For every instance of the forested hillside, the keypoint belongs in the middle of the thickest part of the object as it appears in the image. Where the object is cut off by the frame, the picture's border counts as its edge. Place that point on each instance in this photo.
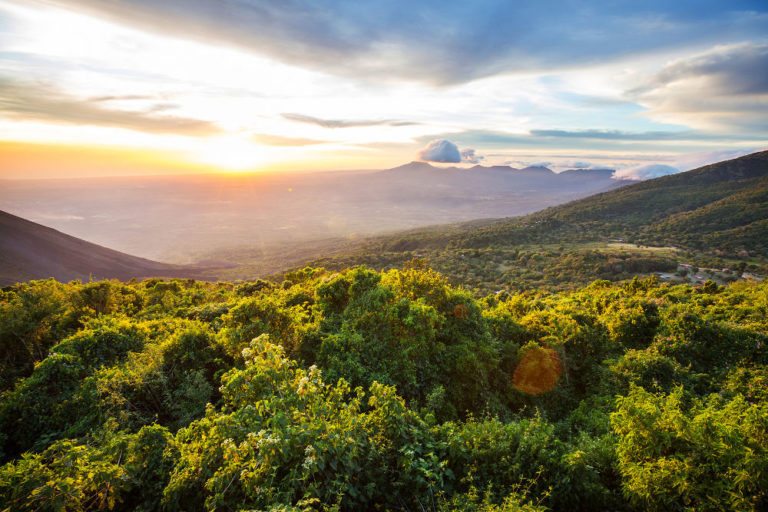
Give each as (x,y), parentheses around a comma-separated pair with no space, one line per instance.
(720,206)
(715,216)
(360,390)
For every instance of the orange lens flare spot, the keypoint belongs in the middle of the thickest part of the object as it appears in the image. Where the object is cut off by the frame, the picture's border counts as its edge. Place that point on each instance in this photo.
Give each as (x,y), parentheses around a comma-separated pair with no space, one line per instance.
(538,371)
(461,311)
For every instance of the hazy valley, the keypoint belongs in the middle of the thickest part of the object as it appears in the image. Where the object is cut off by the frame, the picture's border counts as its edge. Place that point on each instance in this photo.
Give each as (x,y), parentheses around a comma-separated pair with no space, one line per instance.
(183,219)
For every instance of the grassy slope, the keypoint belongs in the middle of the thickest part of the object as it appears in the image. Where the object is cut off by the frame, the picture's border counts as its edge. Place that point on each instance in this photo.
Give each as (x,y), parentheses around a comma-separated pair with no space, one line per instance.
(717,214)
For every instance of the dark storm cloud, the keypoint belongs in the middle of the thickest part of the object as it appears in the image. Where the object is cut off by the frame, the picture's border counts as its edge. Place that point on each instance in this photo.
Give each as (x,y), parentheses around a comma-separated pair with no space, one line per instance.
(439,41)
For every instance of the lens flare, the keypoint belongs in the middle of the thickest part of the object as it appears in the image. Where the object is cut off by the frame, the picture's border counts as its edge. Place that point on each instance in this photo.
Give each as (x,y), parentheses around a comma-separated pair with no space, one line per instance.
(538,371)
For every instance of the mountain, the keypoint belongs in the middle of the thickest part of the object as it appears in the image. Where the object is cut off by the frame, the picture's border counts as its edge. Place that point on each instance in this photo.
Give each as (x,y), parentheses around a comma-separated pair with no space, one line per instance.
(590,173)
(31,251)
(180,218)
(718,210)
(715,204)
(716,215)
(537,169)
(722,206)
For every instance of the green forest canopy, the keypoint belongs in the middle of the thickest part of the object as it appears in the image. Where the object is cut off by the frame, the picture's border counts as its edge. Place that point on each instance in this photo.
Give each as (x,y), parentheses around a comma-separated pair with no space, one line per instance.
(362,390)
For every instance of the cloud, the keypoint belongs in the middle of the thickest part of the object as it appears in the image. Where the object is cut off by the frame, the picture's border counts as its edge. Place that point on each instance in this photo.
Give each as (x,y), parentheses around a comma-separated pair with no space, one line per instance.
(645,172)
(56,216)
(576,165)
(341,123)
(434,41)
(612,135)
(734,69)
(572,143)
(725,88)
(696,160)
(28,100)
(539,163)
(469,156)
(266,139)
(440,150)
(124,97)
(681,164)
(522,164)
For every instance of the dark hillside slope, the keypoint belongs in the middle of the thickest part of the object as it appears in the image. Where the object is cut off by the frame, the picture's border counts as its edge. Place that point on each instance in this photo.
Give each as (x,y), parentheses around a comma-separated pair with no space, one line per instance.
(31,251)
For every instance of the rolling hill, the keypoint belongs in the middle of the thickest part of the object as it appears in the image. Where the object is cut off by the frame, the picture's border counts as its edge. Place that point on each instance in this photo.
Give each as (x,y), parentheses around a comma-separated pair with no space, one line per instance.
(717,215)
(706,208)
(31,251)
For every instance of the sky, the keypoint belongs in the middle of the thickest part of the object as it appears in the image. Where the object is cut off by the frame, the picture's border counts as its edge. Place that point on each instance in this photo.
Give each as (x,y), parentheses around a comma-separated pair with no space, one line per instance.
(136,87)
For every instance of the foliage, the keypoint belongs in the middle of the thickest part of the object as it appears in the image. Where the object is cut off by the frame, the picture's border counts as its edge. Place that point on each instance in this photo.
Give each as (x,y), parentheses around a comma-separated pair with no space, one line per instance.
(366,390)
(708,454)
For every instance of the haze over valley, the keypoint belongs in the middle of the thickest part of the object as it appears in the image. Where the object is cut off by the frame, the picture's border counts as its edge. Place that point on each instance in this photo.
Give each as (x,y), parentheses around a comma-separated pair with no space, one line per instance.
(181,219)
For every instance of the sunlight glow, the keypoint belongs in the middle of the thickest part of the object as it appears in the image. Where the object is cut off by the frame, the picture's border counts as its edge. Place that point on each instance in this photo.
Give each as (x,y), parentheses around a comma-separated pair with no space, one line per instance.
(70,76)
(231,153)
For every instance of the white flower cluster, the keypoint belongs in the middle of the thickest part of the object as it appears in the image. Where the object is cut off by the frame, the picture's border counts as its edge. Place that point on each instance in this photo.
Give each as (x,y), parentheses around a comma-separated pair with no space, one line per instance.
(310,459)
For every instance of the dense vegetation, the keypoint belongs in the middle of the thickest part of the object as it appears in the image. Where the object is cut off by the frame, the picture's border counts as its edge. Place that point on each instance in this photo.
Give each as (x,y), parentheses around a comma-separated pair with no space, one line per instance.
(361,390)
(531,266)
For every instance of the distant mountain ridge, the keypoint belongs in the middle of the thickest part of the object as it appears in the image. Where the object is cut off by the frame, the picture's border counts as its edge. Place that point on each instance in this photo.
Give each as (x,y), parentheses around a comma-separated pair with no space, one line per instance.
(716,211)
(578,173)
(31,251)
(418,165)
(721,207)
(173,218)
(712,205)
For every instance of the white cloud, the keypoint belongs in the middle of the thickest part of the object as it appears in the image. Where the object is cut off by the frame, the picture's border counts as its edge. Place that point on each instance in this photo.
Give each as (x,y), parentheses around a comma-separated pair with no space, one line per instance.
(441,150)
(680,164)
(469,156)
(725,88)
(58,216)
(521,164)
(433,41)
(696,160)
(645,172)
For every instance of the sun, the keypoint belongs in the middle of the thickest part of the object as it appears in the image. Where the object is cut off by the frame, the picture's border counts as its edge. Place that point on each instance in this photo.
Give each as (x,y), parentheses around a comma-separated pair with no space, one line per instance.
(234,154)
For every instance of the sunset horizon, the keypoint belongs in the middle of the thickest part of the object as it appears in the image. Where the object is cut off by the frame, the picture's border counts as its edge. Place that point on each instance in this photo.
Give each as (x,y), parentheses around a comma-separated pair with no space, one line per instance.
(93,89)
